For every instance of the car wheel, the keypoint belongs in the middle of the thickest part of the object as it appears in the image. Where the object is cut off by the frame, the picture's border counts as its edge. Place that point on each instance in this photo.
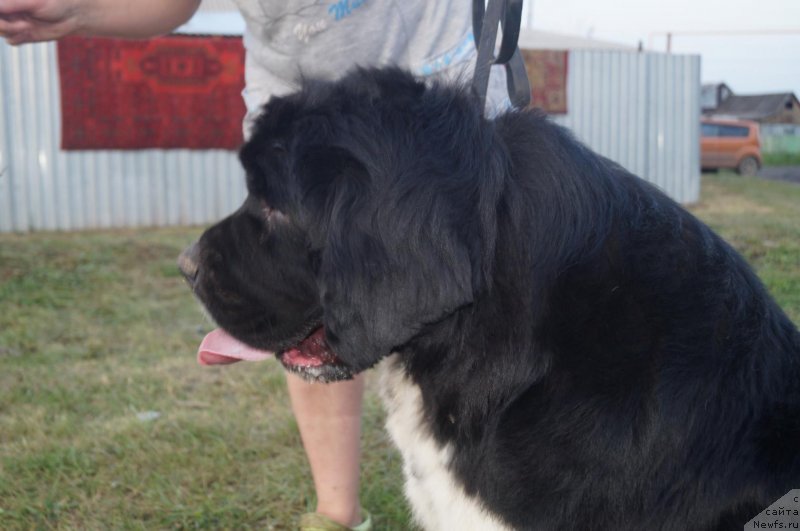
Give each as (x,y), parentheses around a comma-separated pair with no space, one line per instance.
(748,167)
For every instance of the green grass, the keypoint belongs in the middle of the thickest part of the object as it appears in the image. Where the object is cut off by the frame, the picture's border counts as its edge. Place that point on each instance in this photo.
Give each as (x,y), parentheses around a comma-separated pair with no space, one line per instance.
(762,220)
(781,159)
(97,327)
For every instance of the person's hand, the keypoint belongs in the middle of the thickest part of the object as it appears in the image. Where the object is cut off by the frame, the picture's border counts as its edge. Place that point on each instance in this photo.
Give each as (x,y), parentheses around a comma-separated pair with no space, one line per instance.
(24,21)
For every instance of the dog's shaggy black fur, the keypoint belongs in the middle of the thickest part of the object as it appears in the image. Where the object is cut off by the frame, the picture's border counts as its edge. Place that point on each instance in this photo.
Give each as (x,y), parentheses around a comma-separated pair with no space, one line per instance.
(596,357)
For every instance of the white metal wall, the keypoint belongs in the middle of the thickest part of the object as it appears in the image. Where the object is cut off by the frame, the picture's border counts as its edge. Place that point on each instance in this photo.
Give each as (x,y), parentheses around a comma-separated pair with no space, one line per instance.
(44,188)
(640,109)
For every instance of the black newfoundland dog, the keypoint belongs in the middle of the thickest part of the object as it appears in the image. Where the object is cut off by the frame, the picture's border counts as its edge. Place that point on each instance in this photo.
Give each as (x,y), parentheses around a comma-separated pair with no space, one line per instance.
(565,347)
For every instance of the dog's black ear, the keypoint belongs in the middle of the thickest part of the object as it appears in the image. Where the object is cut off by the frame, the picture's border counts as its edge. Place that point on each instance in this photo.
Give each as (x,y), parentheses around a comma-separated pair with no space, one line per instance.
(388,263)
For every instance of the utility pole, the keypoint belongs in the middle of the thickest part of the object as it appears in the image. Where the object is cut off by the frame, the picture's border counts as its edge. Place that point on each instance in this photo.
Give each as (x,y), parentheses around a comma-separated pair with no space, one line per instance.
(716,33)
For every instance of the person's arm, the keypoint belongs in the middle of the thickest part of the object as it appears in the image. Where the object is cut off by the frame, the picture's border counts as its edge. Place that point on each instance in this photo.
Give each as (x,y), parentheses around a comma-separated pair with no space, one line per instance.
(24,21)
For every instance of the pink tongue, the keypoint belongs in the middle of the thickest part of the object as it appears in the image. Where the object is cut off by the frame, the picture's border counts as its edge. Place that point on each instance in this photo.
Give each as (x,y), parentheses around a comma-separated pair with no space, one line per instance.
(220,348)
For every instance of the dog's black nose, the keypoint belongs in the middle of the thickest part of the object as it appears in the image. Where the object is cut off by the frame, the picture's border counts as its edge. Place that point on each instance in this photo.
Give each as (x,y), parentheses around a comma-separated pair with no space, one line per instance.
(189,262)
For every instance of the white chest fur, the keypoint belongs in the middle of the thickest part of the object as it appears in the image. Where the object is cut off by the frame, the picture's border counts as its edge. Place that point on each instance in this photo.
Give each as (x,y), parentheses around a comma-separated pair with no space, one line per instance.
(437,499)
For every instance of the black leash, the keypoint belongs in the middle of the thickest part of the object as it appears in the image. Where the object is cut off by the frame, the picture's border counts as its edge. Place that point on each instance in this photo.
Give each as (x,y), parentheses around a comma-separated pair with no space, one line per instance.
(485,20)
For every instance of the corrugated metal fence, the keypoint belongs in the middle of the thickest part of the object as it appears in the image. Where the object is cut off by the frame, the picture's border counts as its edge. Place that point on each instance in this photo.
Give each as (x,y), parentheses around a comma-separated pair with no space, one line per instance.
(640,109)
(780,145)
(780,139)
(45,188)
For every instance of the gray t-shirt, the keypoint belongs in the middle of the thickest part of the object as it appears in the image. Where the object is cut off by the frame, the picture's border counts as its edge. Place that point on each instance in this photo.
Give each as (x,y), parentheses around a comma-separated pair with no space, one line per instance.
(325,39)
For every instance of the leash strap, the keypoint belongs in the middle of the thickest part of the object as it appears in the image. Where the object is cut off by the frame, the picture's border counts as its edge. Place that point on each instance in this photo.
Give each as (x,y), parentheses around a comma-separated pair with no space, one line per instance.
(485,20)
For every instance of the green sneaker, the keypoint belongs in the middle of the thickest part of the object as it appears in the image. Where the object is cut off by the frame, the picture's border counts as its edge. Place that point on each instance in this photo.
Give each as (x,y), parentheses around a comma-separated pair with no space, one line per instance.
(319,522)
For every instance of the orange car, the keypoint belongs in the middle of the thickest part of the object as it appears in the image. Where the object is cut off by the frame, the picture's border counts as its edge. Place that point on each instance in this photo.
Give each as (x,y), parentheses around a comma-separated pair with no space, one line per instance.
(730,144)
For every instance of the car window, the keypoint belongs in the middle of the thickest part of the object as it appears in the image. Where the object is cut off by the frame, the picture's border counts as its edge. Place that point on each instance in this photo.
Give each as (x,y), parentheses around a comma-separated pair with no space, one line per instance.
(709,130)
(733,131)
(724,131)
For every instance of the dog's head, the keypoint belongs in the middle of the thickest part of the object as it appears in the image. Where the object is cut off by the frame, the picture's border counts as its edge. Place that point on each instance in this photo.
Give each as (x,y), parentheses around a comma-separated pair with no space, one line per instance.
(369,218)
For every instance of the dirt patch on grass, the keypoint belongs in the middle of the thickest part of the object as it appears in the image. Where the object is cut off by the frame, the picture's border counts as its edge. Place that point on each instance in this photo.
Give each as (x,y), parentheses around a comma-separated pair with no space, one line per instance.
(731,204)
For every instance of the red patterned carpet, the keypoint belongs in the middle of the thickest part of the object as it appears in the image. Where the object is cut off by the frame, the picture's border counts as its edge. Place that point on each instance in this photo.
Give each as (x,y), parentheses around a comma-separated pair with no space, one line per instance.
(185,91)
(547,73)
(168,92)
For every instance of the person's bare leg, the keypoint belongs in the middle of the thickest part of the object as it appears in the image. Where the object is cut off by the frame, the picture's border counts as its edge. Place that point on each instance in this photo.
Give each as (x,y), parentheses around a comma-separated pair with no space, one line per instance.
(329,419)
